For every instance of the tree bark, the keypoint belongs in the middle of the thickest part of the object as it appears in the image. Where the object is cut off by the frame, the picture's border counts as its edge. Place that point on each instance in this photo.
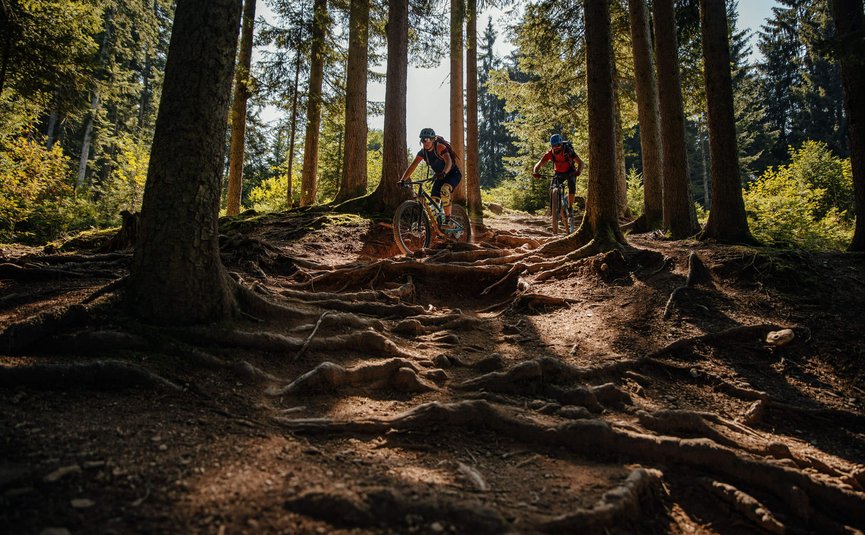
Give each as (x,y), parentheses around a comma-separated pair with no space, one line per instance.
(87,141)
(621,171)
(647,110)
(309,176)
(472,172)
(680,217)
(600,221)
(849,27)
(727,221)
(394,161)
(176,275)
(289,194)
(457,108)
(238,109)
(354,174)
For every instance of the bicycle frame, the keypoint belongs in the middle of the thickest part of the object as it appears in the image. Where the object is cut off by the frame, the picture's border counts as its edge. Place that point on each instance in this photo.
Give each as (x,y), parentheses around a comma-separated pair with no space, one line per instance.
(432,208)
(557,187)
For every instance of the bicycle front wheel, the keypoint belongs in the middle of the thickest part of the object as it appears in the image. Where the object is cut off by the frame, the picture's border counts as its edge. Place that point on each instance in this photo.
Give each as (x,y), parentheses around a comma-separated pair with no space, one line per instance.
(411,230)
(564,214)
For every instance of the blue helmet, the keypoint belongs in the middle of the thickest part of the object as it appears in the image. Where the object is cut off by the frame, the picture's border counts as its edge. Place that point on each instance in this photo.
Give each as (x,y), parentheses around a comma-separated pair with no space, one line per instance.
(555,139)
(427,132)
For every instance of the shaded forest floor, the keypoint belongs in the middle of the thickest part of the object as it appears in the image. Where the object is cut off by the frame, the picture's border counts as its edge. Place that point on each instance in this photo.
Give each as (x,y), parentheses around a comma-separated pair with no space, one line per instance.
(466,391)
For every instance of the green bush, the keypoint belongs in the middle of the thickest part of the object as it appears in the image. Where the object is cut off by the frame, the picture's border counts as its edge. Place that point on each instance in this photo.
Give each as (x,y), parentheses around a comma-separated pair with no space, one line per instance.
(788,206)
(270,195)
(636,192)
(34,192)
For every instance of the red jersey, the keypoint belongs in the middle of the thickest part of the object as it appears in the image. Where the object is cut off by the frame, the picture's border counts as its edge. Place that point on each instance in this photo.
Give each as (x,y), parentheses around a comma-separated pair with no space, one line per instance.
(562,161)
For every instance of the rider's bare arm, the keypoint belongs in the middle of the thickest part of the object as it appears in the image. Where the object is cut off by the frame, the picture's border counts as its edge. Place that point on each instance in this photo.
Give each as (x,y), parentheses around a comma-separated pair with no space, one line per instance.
(544,159)
(411,168)
(579,164)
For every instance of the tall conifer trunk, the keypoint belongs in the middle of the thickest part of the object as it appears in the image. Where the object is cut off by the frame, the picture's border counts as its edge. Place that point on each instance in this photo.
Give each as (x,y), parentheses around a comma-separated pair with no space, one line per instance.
(238,109)
(727,221)
(289,195)
(354,173)
(177,276)
(600,222)
(309,176)
(472,173)
(388,194)
(647,110)
(680,218)
(457,108)
(850,25)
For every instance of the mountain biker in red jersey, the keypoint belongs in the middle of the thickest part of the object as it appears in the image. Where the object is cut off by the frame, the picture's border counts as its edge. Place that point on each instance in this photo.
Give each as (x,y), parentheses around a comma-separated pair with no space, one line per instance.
(568,166)
(447,174)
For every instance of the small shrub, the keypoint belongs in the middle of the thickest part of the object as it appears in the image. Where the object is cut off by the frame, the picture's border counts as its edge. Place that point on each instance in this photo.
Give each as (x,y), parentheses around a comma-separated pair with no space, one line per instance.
(786,207)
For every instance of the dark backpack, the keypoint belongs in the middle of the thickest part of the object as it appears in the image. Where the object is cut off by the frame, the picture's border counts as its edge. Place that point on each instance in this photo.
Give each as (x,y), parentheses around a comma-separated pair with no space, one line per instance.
(569,150)
(451,151)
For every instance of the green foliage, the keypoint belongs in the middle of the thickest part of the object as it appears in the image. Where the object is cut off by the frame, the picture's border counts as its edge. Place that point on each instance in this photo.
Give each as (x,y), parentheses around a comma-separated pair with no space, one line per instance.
(34,192)
(270,195)
(636,192)
(791,206)
(123,188)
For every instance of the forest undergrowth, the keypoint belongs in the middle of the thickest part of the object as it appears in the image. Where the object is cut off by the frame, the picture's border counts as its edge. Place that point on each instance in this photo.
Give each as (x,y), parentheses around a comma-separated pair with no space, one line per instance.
(665,387)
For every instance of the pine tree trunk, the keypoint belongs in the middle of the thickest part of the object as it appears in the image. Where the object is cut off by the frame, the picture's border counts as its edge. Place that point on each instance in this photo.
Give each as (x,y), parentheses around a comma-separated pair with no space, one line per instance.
(146,92)
(388,194)
(6,26)
(50,137)
(850,24)
(679,215)
(238,110)
(87,141)
(601,221)
(354,175)
(621,174)
(176,275)
(289,193)
(472,173)
(457,108)
(647,109)
(727,220)
(309,176)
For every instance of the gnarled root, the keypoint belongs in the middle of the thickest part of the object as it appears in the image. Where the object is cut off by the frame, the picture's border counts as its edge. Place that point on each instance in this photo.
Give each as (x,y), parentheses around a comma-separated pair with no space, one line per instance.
(19,337)
(619,507)
(389,506)
(594,437)
(698,273)
(99,375)
(747,506)
(399,374)
(678,422)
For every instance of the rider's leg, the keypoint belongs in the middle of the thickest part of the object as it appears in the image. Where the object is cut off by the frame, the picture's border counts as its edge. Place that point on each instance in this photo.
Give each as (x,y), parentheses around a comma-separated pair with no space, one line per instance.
(445,193)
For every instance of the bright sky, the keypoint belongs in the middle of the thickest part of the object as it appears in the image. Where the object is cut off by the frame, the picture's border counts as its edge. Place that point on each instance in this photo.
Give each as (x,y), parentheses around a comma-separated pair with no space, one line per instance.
(428,98)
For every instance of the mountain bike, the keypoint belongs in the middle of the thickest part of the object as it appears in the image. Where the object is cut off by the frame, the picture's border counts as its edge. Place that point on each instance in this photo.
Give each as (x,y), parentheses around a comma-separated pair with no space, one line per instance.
(417,220)
(560,211)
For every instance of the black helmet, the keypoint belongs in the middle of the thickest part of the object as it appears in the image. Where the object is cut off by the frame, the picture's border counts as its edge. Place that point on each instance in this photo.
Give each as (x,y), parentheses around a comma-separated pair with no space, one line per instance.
(427,132)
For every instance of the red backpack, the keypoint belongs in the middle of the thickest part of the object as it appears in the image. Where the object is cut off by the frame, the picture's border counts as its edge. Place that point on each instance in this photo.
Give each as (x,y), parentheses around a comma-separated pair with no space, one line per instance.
(451,152)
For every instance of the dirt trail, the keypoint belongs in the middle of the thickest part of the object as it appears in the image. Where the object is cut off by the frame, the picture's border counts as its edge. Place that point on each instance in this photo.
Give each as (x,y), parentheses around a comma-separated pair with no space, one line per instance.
(470,390)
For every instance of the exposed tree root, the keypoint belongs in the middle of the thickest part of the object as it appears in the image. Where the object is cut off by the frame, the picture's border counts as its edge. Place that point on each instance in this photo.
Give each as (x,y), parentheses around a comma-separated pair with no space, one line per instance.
(698,273)
(19,337)
(744,333)
(364,342)
(398,374)
(801,493)
(760,409)
(99,375)
(53,259)
(387,506)
(127,236)
(104,290)
(467,257)
(513,241)
(747,506)
(36,273)
(389,296)
(623,506)
(381,310)
(700,424)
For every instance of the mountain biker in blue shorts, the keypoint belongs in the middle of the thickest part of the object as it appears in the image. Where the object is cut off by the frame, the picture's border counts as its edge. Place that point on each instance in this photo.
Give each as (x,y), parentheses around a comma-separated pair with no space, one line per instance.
(439,155)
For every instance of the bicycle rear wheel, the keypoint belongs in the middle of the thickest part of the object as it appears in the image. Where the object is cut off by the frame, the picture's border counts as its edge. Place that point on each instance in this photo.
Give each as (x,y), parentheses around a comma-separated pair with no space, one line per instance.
(411,230)
(462,230)
(555,208)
